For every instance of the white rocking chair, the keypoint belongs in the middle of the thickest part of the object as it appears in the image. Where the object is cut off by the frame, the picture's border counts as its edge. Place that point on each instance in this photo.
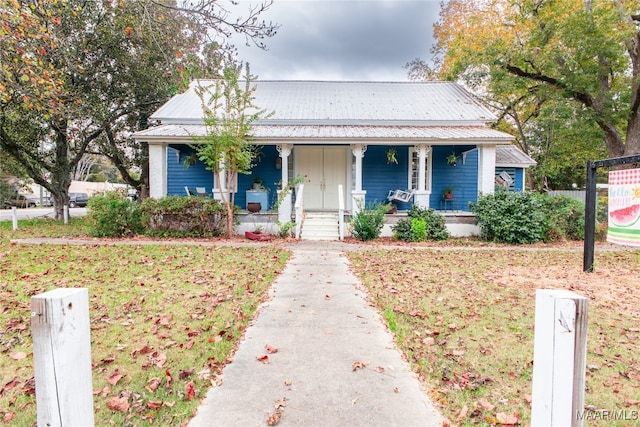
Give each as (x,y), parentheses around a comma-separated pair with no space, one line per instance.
(400,195)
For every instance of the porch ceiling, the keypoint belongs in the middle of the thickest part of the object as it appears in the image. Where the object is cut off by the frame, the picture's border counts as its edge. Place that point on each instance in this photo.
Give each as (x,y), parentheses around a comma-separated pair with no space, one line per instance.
(387,135)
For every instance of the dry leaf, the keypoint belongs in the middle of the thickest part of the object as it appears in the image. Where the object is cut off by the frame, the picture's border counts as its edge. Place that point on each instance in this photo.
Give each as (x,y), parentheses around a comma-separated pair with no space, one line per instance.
(270,349)
(153,385)
(507,419)
(120,404)
(263,358)
(152,404)
(275,417)
(114,377)
(358,365)
(486,404)
(189,388)
(18,355)
(463,412)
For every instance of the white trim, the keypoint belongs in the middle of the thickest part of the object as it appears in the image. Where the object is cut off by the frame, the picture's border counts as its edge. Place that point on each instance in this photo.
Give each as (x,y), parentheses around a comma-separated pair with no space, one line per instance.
(158,157)
(428,170)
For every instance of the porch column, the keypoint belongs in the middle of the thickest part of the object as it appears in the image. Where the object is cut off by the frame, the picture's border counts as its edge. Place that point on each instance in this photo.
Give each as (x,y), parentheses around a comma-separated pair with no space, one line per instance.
(157,170)
(220,187)
(284,208)
(358,195)
(421,195)
(486,169)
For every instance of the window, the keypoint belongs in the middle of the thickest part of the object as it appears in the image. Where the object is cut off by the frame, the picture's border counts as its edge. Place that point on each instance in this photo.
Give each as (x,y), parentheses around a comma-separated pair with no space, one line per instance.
(413,169)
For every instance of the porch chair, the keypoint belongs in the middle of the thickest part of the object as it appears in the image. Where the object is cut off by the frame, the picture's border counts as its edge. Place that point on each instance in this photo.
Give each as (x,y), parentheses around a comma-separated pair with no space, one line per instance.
(400,195)
(187,190)
(201,192)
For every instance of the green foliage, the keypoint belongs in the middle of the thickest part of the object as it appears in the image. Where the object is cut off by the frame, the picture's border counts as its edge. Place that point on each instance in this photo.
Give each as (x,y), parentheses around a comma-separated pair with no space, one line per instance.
(184,216)
(511,217)
(422,224)
(517,218)
(565,217)
(113,215)
(418,230)
(78,76)
(367,223)
(286,229)
(227,147)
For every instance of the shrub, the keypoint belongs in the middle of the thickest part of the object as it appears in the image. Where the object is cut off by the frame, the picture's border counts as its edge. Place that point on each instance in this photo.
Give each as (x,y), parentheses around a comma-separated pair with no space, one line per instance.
(367,223)
(565,217)
(184,216)
(511,217)
(113,215)
(422,224)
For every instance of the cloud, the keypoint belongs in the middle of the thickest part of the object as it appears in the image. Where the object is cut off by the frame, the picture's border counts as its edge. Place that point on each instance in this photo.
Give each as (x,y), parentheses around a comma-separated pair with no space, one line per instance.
(343,40)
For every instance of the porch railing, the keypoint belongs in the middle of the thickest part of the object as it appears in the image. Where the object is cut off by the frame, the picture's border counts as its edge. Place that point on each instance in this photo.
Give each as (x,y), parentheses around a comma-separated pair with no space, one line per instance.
(341,212)
(299,209)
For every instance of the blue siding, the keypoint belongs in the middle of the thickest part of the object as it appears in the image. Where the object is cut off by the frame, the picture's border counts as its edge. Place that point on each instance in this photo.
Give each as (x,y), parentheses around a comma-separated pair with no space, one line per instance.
(378,177)
(462,177)
(178,176)
(198,176)
(265,169)
(519,179)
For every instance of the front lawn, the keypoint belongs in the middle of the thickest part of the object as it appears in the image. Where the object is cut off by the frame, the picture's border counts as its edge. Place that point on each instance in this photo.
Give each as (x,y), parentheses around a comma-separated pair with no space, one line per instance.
(164,319)
(464,318)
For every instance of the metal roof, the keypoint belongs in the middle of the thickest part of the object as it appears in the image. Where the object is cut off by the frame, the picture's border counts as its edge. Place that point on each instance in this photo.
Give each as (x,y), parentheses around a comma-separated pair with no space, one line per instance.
(358,103)
(339,134)
(510,155)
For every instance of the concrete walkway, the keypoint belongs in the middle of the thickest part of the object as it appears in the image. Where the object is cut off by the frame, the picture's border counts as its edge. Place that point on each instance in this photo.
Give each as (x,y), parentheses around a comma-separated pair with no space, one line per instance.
(319,321)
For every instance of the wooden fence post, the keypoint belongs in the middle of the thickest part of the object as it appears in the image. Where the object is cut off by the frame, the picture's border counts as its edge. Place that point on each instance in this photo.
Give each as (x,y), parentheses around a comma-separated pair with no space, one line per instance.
(559,358)
(62,357)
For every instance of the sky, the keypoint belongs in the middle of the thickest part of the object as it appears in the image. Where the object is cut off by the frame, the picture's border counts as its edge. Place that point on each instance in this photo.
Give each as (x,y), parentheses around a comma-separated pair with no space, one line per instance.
(368,40)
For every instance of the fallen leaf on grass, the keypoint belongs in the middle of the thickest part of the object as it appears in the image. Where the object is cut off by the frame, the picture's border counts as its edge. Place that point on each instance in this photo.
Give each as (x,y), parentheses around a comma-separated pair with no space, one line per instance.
(120,404)
(8,416)
(152,404)
(190,389)
(18,355)
(115,377)
(507,419)
(463,412)
(485,404)
(428,341)
(153,385)
(270,349)
(169,378)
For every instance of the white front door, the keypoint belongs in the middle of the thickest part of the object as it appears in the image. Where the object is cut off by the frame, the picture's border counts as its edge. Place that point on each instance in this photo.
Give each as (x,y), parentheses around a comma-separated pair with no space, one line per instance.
(325,168)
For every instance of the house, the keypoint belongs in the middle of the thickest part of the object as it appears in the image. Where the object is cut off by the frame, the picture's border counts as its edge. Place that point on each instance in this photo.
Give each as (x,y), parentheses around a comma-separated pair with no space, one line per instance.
(369,138)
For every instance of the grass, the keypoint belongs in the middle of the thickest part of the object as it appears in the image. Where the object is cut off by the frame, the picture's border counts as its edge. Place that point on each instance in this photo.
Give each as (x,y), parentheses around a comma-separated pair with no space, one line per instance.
(163,319)
(464,319)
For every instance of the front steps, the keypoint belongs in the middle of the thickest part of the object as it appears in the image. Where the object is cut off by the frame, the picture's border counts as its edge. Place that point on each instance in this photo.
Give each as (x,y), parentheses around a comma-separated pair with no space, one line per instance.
(320,226)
